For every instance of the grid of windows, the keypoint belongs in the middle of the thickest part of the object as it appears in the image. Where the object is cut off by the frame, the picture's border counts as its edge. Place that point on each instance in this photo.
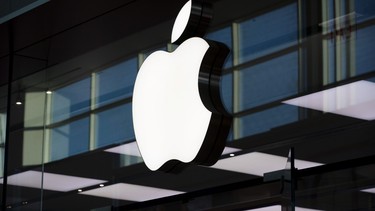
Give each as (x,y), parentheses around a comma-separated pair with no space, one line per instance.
(262,70)
(82,112)
(266,67)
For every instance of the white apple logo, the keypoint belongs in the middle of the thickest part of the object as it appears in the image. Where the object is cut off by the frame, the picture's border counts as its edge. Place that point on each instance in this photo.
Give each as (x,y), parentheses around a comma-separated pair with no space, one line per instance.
(177,112)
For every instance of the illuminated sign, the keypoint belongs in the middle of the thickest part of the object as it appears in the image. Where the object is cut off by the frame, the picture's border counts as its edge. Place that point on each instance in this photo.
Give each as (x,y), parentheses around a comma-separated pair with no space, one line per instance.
(178,115)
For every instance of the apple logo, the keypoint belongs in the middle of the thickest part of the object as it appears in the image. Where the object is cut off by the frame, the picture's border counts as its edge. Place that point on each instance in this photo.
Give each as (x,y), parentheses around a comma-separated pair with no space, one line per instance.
(178,115)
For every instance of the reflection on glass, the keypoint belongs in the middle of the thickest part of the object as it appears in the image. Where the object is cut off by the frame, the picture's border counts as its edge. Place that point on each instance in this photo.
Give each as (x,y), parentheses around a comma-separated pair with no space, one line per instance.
(355,100)
(269,81)
(225,36)
(365,45)
(34,109)
(130,192)
(114,126)
(69,139)
(32,147)
(71,100)
(268,33)
(364,9)
(266,120)
(226,86)
(116,82)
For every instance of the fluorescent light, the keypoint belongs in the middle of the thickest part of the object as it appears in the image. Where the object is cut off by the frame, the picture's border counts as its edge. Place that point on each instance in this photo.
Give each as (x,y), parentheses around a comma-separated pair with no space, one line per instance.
(354,100)
(130,192)
(230,150)
(279,208)
(370,190)
(257,163)
(126,149)
(54,182)
(132,149)
(269,208)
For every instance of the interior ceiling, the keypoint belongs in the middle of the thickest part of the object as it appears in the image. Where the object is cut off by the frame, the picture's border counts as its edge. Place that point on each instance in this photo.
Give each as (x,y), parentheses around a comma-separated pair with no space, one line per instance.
(63,29)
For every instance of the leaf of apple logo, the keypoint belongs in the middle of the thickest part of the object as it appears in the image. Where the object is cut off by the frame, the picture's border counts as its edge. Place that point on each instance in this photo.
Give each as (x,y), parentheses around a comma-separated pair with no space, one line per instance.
(178,115)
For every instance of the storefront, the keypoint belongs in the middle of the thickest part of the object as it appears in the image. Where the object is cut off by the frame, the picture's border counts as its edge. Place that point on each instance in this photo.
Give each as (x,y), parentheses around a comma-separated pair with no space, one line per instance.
(299,83)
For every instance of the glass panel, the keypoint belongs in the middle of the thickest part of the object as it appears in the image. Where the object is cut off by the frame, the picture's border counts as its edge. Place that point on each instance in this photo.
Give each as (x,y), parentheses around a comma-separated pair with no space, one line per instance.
(269,81)
(365,45)
(225,36)
(226,86)
(268,33)
(364,10)
(10,8)
(69,139)
(71,100)
(120,129)
(116,82)
(266,120)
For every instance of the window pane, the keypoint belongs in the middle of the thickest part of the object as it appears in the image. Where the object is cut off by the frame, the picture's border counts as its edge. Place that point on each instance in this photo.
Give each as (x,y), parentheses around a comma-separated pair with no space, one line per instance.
(268,33)
(226,86)
(116,82)
(120,129)
(70,139)
(365,45)
(266,120)
(225,36)
(71,100)
(364,10)
(269,81)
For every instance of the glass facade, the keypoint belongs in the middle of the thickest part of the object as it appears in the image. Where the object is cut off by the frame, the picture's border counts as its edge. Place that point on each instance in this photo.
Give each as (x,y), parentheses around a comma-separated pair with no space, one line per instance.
(299,82)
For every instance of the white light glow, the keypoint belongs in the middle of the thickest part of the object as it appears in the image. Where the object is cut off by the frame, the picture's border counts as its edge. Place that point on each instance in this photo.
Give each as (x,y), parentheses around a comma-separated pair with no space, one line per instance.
(126,149)
(370,190)
(170,120)
(132,149)
(230,150)
(130,192)
(269,208)
(279,208)
(181,21)
(54,182)
(257,163)
(354,100)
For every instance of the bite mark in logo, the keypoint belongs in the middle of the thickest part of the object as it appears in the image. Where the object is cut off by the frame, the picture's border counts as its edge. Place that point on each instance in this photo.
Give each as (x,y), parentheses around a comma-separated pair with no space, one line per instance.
(178,114)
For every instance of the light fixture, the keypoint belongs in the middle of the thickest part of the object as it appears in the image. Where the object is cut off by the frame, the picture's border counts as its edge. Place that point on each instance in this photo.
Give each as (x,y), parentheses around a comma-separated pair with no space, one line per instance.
(132,149)
(51,181)
(48,92)
(126,149)
(258,163)
(18,102)
(279,208)
(231,154)
(369,190)
(130,192)
(79,190)
(355,100)
(101,185)
(230,150)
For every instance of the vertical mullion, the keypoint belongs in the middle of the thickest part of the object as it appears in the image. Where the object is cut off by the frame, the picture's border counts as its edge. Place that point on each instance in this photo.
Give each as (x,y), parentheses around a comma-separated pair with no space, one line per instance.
(338,40)
(92,144)
(47,130)
(352,39)
(236,81)
(325,50)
